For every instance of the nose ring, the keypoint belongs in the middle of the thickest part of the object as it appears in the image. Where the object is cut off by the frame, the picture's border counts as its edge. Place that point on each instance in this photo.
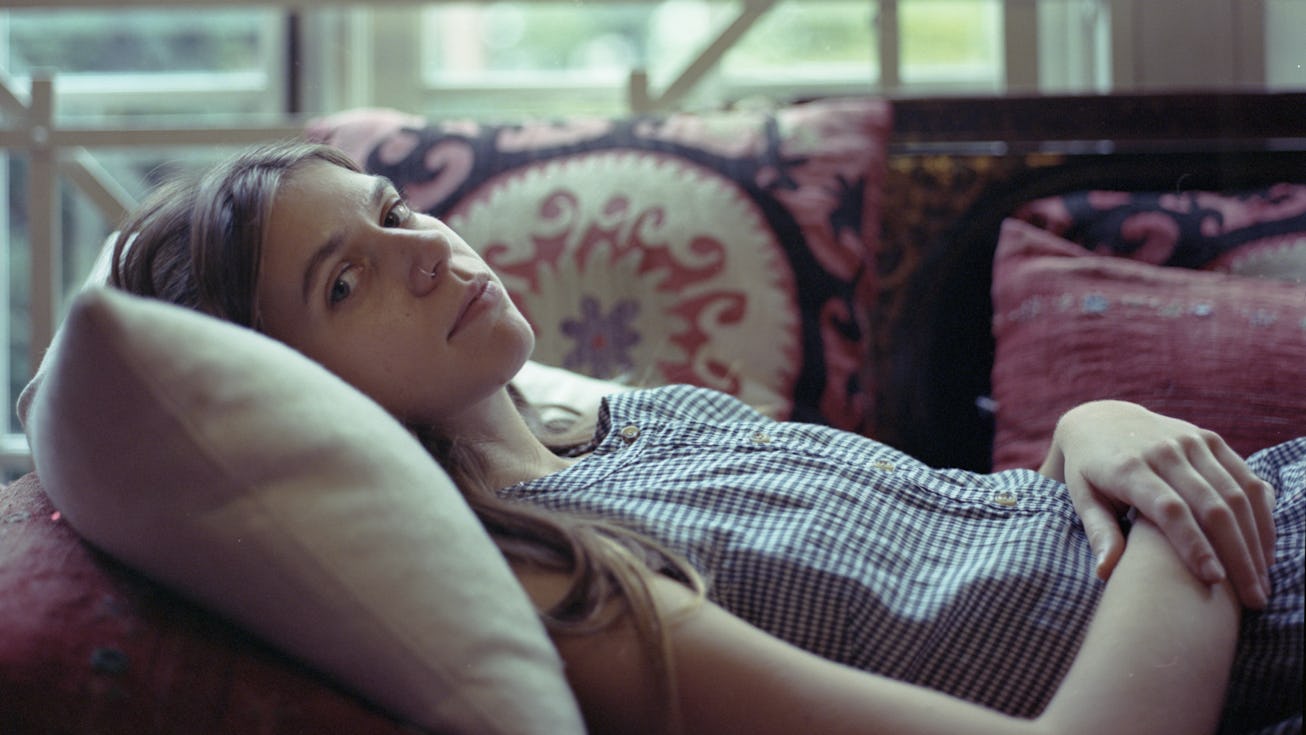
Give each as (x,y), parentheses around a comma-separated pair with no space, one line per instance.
(428,274)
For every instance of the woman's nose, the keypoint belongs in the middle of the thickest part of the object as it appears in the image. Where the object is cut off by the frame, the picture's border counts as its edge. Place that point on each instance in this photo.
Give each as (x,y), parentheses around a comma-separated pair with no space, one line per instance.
(423,259)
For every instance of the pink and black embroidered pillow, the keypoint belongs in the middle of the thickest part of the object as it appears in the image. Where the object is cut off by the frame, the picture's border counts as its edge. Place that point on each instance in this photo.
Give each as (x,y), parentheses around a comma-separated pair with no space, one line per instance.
(1225,352)
(86,645)
(732,250)
(1258,233)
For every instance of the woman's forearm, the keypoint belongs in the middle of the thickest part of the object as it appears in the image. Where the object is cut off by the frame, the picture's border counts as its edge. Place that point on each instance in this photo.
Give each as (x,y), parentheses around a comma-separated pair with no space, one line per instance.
(1156,658)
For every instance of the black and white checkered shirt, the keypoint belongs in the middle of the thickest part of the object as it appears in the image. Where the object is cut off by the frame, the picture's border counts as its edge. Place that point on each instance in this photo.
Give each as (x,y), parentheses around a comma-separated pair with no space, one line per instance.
(981,586)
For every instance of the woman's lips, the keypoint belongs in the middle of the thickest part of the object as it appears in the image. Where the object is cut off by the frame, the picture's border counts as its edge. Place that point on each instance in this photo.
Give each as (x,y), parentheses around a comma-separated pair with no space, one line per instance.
(482,293)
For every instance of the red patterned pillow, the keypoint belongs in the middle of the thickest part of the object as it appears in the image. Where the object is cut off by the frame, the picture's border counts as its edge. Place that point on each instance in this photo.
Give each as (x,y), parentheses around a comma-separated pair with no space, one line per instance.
(1225,352)
(1260,232)
(89,646)
(732,250)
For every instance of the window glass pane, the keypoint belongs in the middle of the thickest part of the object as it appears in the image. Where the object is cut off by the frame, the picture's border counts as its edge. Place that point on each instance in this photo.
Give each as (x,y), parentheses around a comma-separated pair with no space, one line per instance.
(951,41)
(135,40)
(571,53)
(816,41)
(178,61)
(515,59)
(523,41)
(1285,62)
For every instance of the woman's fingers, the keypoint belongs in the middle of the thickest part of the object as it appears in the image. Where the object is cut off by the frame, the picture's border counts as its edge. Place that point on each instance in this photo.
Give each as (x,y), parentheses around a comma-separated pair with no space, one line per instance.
(1170,511)
(1101,524)
(1259,492)
(1211,520)
(1227,492)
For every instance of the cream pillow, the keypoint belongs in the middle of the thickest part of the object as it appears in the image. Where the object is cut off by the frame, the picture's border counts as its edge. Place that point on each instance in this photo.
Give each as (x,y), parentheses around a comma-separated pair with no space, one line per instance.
(232,469)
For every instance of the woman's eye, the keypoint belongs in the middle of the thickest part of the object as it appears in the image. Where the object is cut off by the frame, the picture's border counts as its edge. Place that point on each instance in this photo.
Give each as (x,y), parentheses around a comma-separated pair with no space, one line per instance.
(397,215)
(342,287)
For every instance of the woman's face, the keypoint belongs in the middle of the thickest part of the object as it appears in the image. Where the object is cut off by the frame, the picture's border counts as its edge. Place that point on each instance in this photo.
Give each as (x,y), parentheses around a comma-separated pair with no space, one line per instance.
(392,301)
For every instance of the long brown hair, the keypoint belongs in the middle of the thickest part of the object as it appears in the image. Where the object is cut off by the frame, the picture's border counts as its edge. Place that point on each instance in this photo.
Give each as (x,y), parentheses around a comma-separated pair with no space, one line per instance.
(197,243)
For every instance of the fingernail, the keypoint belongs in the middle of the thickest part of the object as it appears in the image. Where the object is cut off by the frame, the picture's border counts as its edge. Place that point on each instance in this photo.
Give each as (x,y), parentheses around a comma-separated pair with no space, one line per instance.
(1212,572)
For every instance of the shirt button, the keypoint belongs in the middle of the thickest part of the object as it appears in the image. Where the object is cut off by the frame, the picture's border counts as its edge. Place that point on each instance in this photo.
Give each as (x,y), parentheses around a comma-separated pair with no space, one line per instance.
(1005,498)
(761,437)
(883,465)
(630,432)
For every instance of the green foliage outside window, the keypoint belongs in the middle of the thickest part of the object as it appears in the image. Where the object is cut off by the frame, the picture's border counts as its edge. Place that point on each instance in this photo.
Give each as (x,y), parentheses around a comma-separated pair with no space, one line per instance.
(135,41)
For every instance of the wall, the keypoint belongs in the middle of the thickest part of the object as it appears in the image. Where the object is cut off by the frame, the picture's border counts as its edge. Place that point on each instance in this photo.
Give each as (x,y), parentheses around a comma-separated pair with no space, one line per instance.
(1188,44)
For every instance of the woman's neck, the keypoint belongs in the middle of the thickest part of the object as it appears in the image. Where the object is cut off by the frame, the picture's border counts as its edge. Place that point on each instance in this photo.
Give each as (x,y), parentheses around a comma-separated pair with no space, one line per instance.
(509,451)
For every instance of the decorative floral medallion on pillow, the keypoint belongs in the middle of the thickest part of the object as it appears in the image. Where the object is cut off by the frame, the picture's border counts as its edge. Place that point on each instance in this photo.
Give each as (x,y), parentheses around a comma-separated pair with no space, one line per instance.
(1254,233)
(611,286)
(1225,352)
(732,250)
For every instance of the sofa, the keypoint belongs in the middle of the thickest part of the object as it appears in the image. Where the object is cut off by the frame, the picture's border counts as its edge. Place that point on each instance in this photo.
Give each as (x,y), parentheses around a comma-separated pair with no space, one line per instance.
(945,275)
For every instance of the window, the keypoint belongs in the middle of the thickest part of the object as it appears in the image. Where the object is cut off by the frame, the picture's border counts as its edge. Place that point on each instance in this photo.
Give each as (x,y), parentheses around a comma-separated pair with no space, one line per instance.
(951,43)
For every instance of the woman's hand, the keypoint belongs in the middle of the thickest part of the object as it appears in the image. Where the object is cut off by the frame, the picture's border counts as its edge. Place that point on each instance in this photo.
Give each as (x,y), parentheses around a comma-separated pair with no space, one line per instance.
(1216,513)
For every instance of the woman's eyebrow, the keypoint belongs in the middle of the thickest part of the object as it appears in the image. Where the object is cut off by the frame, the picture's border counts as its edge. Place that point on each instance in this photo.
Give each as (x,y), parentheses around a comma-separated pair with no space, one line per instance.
(380,187)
